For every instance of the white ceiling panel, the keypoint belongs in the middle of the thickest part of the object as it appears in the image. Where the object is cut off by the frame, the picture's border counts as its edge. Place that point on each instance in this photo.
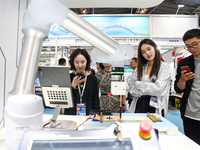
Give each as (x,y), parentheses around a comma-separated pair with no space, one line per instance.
(111,3)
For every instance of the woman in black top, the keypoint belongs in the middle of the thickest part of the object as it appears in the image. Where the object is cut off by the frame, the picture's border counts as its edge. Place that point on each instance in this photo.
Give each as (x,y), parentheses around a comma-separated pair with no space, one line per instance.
(84,90)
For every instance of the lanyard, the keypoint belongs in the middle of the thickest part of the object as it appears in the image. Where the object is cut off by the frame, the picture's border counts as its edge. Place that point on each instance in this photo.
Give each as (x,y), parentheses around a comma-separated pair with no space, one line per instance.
(79,89)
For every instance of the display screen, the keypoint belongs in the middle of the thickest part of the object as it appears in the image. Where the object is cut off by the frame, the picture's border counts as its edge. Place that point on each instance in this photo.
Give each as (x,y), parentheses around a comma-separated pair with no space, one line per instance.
(54,75)
(111,25)
(83,144)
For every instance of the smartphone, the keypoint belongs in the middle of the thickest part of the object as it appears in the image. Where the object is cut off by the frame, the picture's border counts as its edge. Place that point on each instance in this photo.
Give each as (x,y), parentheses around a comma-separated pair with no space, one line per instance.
(186,68)
(80,74)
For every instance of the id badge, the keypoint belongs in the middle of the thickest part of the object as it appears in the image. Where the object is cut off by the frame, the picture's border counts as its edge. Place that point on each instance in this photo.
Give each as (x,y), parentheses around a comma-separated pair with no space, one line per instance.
(153,102)
(81,109)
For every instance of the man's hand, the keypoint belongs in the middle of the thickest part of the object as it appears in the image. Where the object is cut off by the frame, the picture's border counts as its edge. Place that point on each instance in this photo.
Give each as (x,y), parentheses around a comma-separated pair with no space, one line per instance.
(184,77)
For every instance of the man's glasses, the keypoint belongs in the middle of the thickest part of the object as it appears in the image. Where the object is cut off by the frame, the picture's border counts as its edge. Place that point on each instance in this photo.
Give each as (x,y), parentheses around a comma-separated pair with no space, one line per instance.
(195,45)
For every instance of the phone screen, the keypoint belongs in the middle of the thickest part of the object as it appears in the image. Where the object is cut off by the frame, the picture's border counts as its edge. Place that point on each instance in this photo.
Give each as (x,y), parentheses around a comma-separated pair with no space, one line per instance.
(80,74)
(186,68)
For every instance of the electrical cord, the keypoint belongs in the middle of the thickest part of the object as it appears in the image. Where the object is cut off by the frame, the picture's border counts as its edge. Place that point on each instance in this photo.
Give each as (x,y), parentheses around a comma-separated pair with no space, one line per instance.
(90,117)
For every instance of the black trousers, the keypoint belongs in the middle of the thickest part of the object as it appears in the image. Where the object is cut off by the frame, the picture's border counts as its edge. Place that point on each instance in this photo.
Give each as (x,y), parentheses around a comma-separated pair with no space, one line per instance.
(143,106)
(192,129)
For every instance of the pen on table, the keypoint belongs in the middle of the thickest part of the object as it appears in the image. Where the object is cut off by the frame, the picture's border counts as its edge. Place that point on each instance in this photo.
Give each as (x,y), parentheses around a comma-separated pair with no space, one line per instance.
(101,119)
(120,106)
(151,117)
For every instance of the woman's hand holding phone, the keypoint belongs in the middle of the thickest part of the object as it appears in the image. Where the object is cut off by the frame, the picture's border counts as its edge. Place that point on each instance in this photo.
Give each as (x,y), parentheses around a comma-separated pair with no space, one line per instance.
(79,78)
(80,74)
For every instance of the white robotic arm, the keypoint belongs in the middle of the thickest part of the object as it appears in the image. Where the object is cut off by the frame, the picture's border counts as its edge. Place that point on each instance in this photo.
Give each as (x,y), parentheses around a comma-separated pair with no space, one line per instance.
(37,21)
(42,13)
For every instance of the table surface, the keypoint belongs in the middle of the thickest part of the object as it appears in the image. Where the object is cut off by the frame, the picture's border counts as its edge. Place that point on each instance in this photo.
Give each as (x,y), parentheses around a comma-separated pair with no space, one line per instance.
(178,142)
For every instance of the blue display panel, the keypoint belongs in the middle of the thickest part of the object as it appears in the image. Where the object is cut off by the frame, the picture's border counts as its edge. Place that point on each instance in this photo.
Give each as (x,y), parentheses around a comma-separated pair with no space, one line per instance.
(112,26)
(83,144)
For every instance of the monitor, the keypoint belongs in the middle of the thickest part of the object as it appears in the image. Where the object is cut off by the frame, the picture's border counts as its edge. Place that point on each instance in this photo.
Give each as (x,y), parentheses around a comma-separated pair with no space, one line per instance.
(73,140)
(84,144)
(56,86)
(50,76)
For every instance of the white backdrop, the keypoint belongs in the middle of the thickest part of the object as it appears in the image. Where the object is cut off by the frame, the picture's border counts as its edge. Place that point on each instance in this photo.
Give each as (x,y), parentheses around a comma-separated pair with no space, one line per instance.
(11,15)
(172,25)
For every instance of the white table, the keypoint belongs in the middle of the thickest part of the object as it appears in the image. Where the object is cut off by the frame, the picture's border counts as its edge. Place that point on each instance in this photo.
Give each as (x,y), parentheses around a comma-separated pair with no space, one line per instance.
(179,142)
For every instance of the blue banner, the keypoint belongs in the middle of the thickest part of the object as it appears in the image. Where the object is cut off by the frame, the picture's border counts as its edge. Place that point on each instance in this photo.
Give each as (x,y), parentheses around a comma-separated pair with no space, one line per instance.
(112,26)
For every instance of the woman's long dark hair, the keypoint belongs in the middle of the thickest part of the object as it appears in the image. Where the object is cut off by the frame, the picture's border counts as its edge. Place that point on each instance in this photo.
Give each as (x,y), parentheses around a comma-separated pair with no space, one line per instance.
(77,52)
(142,61)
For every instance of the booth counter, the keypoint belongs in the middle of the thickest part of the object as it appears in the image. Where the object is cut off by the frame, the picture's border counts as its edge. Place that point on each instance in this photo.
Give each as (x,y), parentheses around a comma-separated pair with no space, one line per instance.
(169,136)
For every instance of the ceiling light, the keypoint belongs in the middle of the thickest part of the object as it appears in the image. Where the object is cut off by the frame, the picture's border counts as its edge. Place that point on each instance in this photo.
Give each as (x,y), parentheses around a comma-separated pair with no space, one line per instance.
(141,10)
(84,10)
(180,5)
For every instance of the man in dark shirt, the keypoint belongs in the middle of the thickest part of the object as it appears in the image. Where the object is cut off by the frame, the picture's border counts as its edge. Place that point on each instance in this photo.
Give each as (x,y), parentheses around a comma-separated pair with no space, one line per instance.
(187,82)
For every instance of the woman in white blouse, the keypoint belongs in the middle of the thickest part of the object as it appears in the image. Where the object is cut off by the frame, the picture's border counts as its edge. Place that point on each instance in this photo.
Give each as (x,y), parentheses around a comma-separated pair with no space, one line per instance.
(150,83)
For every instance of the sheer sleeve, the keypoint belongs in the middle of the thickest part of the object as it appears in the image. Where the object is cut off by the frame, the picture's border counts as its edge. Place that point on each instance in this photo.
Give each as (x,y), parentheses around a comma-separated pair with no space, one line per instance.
(155,88)
(132,87)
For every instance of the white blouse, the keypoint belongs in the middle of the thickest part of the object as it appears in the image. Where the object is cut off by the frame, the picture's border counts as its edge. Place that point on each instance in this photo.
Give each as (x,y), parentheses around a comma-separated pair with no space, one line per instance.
(159,88)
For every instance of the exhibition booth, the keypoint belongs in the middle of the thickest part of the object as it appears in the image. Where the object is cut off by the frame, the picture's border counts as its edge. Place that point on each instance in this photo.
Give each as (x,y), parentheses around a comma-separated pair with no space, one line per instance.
(26,127)
(165,30)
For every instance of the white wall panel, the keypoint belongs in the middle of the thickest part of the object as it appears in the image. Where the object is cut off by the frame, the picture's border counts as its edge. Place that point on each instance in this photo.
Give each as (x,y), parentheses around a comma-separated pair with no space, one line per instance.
(172,25)
(2,82)
(11,14)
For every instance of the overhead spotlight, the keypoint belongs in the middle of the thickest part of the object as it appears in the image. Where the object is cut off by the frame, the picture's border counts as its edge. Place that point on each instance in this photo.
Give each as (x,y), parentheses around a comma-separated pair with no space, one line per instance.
(180,5)
(84,10)
(141,10)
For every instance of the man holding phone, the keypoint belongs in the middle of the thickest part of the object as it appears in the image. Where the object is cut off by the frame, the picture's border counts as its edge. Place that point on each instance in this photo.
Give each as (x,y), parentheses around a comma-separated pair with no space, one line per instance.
(187,82)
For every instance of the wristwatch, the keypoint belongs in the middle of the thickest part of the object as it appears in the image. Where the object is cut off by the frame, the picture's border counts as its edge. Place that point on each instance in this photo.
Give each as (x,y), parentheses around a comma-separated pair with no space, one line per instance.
(123,105)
